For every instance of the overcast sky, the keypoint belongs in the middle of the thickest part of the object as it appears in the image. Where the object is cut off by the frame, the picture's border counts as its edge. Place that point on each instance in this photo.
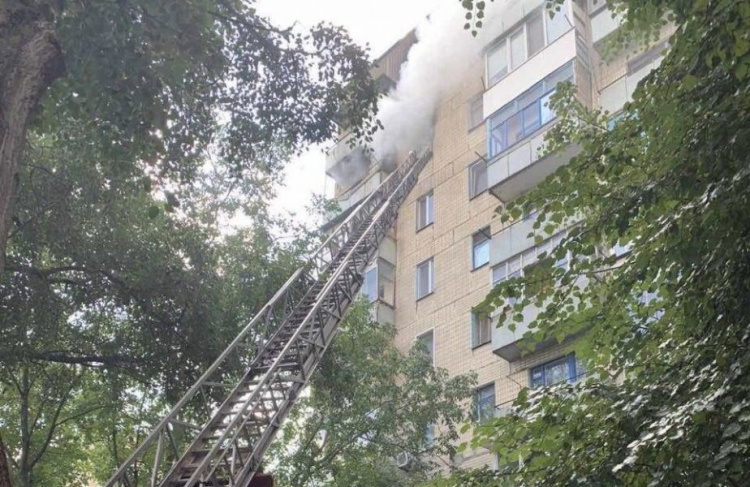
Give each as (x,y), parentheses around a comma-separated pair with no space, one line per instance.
(378,23)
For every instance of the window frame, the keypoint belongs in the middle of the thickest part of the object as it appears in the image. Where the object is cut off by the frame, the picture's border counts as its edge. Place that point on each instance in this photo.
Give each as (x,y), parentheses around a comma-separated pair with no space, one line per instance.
(476,323)
(431,278)
(426,197)
(547,246)
(477,402)
(430,332)
(481,162)
(513,109)
(576,371)
(372,268)
(485,232)
(504,42)
(473,123)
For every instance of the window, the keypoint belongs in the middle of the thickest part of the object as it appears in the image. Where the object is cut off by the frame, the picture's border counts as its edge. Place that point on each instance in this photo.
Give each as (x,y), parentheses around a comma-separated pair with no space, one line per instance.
(612,122)
(480,248)
(484,403)
(560,370)
(387,282)
(427,343)
(481,330)
(425,278)
(477,178)
(476,112)
(425,211)
(557,25)
(514,267)
(429,435)
(379,283)
(511,51)
(526,114)
(497,62)
(370,286)
(535,34)
(517,50)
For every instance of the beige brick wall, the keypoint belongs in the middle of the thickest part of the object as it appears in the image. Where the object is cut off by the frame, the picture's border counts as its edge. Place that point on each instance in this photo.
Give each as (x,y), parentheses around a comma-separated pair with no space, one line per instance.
(447,312)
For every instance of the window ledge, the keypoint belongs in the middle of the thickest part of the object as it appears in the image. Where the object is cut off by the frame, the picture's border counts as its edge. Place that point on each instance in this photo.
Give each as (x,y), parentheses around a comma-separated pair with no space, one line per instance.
(474,347)
(472,198)
(426,296)
(481,266)
(426,226)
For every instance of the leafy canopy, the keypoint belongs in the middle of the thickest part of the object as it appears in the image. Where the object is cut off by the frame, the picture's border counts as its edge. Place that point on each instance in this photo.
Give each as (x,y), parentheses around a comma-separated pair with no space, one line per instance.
(665,327)
(367,404)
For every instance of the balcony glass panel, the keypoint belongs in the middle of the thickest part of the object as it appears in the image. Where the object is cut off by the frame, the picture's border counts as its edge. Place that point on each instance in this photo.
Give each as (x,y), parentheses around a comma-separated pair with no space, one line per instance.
(526,114)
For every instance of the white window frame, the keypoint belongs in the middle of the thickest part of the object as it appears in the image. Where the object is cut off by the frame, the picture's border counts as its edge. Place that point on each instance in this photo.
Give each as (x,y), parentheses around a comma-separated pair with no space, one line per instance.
(476,323)
(429,201)
(372,268)
(472,122)
(430,276)
(484,231)
(504,42)
(431,331)
(526,259)
(472,193)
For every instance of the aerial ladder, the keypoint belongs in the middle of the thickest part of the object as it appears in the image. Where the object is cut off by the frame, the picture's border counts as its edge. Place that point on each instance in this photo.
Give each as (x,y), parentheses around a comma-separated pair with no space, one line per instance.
(217,433)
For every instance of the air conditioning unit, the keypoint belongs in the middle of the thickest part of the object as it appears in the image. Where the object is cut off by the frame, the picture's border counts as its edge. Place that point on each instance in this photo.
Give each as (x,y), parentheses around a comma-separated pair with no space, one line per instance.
(404,460)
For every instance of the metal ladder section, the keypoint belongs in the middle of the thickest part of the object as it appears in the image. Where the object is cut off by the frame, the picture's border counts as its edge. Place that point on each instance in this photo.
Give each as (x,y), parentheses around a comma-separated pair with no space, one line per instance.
(218,431)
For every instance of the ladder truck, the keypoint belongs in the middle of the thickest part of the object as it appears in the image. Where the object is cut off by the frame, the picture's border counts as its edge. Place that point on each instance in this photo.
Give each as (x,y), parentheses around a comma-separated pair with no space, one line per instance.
(217,433)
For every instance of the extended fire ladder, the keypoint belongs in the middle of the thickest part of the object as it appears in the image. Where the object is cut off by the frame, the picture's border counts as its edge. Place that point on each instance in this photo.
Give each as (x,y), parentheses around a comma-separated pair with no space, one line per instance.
(217,433)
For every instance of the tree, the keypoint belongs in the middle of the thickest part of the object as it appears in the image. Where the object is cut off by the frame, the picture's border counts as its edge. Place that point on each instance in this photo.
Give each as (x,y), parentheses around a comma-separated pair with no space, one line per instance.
(109,297)
(150,88)
(664,329)
(367,404)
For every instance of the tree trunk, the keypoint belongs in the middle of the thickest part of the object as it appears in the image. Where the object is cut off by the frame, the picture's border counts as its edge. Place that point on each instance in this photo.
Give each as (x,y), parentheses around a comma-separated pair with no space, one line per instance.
(4,469)
(30,60)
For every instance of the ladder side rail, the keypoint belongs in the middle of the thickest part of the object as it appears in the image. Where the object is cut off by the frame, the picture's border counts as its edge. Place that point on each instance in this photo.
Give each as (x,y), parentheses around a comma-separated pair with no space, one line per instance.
(371,202)
(392,204)
(316,262)
(178,407)
(380,229)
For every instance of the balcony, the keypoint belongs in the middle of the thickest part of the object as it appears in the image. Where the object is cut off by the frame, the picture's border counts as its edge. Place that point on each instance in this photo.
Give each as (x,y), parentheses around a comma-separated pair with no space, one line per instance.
(508,344)
(512,240)
(379,286)
(512,253)
(345,164)
(511,345)
(523,167)
(519,115)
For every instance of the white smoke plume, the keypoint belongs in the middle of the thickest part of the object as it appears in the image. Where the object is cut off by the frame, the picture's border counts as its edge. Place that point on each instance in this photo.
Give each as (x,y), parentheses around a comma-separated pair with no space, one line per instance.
(436,65)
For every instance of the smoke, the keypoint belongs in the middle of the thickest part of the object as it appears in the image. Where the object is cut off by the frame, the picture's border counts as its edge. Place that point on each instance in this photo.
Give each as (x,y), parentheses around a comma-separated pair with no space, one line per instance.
(437,64)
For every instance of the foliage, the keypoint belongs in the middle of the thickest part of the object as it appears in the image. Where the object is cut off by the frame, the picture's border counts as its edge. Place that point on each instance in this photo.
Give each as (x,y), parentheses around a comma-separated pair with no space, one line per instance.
(122,281)
(156,85)
(368,403)
(665,326)
(105,302)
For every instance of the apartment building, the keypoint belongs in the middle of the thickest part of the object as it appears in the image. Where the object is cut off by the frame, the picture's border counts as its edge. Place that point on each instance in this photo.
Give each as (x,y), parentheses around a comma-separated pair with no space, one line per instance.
(448,247)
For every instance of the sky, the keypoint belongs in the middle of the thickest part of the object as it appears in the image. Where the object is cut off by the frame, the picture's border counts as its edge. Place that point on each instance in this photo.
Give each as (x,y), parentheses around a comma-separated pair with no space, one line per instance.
(379,23)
